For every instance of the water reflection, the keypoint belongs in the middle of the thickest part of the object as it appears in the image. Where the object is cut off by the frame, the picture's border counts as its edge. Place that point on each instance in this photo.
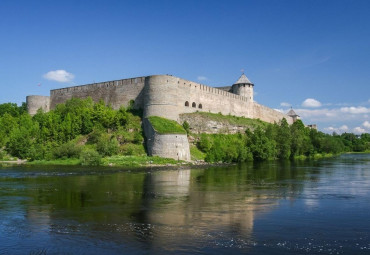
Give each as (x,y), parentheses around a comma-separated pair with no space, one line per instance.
(244,208)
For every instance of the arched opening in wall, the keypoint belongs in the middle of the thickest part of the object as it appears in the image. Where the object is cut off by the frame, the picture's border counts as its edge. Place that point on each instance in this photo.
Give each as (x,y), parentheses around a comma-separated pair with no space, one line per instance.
(187,103)
(194,105)
(200,106)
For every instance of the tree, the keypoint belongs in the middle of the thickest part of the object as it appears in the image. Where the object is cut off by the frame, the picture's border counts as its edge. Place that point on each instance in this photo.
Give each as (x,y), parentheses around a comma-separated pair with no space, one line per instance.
(283,140)
(261,146)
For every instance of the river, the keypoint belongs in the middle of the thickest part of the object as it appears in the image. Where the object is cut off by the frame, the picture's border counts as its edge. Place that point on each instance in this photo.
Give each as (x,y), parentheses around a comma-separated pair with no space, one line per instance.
(304,207)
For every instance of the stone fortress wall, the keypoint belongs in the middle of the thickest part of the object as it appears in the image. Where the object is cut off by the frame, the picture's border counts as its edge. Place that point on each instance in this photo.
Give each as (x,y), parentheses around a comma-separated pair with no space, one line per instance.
(166,96)
(34,103)
(161,95)
(115,93)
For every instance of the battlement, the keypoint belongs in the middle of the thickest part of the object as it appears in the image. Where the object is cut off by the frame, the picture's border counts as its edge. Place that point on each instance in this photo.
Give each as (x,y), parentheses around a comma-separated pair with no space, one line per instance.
(166,96)
(99,85)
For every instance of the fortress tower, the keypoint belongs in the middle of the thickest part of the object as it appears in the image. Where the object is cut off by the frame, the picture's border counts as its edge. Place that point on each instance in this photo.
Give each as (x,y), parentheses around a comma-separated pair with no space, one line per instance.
(243,87)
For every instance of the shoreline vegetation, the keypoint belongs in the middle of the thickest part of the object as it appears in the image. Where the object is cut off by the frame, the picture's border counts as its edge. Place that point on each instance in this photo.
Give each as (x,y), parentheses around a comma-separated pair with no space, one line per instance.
(147,161)
(81,132)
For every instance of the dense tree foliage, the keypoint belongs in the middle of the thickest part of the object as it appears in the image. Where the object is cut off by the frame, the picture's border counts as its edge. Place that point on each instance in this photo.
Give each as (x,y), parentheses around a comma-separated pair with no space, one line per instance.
(89,131)
(279,141)
(72,130)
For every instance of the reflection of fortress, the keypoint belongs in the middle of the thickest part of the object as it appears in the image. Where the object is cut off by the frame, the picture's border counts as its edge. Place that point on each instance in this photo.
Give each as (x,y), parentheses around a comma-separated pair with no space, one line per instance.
(195,213)
(179,209)
(166,96)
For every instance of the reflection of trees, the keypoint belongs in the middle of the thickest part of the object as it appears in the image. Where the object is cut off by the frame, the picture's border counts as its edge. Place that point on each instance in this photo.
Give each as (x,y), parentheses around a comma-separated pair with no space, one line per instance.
(184,205)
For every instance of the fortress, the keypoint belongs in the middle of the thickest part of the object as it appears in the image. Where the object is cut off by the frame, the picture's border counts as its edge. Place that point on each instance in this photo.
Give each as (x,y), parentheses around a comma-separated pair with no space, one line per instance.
(166,96)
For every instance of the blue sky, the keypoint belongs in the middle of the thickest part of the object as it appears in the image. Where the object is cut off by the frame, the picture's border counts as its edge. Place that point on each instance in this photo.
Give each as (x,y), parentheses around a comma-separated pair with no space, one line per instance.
(311,55)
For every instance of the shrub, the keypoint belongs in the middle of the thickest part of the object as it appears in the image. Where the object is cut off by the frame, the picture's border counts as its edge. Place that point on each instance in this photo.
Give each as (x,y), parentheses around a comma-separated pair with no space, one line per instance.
(67,150)
(107,145)
(2,154)
(90,157)
(186,126)
(132,149)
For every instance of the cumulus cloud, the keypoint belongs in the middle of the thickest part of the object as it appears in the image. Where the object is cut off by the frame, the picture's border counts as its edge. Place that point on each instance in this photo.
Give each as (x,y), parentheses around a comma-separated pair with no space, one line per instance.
(285,104)
(355,110)
(59,76)
(339,130)
(279,110)
(202,78)
(366,124)
(310,102)
(359,130)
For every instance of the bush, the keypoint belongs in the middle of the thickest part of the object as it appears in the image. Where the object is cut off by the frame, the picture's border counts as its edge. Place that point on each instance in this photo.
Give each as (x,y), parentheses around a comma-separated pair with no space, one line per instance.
(2,154)
(90,157)
(205,142)
(67,150)
(132,149)
(107,145)
(186,126)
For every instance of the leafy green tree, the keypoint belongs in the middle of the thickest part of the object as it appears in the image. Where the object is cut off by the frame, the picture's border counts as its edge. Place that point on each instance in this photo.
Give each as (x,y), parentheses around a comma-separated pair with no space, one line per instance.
(283,140)
(22,138)
(261,146)
(13,109)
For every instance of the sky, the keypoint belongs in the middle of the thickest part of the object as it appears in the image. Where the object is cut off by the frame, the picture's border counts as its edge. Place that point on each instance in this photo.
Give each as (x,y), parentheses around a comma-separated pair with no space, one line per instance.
(312,55)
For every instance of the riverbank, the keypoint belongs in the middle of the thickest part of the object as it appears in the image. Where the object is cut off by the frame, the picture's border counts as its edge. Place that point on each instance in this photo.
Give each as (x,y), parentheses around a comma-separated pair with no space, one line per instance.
(121,161)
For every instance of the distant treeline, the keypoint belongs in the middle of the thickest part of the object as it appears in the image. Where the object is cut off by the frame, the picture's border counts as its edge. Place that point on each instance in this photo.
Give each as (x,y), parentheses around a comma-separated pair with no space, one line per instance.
(88,131)
(279,141)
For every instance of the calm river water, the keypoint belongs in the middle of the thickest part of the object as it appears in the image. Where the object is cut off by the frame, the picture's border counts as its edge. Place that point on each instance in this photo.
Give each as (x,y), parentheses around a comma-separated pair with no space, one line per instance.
(312,207)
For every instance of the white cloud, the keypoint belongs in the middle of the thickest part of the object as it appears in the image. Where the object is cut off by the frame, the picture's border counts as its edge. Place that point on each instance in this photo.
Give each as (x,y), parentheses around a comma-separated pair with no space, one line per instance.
(359,130)
(366,124)
(279,110)
(202,78)
(355,110)
(310,102)
(339,130)
(285,104)
(344,128)
(59,76)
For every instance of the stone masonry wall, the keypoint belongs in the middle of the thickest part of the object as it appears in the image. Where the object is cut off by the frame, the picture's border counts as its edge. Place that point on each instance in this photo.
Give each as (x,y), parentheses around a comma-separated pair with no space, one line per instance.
(174,146)
(167,96)
(269,115)
(115,93)
(36,102)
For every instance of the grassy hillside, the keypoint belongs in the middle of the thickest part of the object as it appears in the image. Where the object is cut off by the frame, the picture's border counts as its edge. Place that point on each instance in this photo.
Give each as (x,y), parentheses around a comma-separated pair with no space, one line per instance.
(166,126)
(200,117)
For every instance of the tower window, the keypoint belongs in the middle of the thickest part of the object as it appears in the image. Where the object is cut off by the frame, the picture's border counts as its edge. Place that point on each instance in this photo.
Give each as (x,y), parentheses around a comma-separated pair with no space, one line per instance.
(194,105)
(200,106)
(187,103)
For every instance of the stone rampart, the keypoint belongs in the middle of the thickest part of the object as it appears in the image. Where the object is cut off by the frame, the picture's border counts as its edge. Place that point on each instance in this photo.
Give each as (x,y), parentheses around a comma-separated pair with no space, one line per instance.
(165,96)
(168,96)
(269,115)
(161,97)
(115,93)
(34,103)
(174,146)
(191,97)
